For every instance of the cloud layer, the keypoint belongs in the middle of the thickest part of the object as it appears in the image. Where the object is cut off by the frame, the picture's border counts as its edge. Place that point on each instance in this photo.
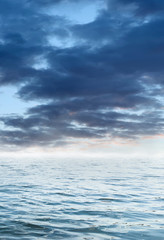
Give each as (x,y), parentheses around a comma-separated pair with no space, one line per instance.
(100,79)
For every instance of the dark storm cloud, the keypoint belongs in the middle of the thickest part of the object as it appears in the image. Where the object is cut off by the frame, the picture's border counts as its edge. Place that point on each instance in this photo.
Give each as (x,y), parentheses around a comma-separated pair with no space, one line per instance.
(109,82)
(58,121)
(48,2)
(143,7)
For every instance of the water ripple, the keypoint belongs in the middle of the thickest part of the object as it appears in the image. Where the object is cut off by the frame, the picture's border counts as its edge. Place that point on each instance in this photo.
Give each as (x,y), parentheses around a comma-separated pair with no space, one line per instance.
(90,199)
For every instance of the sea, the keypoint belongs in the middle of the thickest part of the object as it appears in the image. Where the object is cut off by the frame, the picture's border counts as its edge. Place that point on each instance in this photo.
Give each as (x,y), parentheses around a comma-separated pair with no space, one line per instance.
(77,199)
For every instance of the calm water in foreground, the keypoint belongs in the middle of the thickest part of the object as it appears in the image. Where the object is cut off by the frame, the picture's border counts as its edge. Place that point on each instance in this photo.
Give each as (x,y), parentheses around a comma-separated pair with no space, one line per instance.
(81,199)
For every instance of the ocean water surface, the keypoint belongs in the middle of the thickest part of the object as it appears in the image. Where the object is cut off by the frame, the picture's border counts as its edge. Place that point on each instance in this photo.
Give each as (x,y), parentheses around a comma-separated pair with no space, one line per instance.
(120,199)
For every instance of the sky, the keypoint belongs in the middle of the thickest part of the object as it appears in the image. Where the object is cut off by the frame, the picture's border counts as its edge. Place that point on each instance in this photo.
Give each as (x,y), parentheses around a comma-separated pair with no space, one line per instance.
(82,76)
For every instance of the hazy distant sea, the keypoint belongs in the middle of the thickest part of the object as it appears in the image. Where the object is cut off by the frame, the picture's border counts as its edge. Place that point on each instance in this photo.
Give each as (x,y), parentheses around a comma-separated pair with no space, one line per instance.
(81,199)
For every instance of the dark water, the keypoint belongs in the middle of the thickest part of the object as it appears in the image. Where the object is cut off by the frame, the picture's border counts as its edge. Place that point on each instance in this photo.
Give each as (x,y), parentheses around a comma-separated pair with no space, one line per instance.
(81,199)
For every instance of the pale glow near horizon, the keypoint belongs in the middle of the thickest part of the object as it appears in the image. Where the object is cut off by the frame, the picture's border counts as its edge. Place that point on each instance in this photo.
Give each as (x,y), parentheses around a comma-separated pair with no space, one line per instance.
(147,148)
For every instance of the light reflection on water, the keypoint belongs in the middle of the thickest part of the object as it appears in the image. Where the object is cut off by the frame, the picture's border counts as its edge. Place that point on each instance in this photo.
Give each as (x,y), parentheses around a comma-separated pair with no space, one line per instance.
(81,199)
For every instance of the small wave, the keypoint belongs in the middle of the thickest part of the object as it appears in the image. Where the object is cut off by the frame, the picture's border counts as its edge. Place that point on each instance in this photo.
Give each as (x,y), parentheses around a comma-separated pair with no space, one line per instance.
(110,200)
(91,229)
(64,194)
